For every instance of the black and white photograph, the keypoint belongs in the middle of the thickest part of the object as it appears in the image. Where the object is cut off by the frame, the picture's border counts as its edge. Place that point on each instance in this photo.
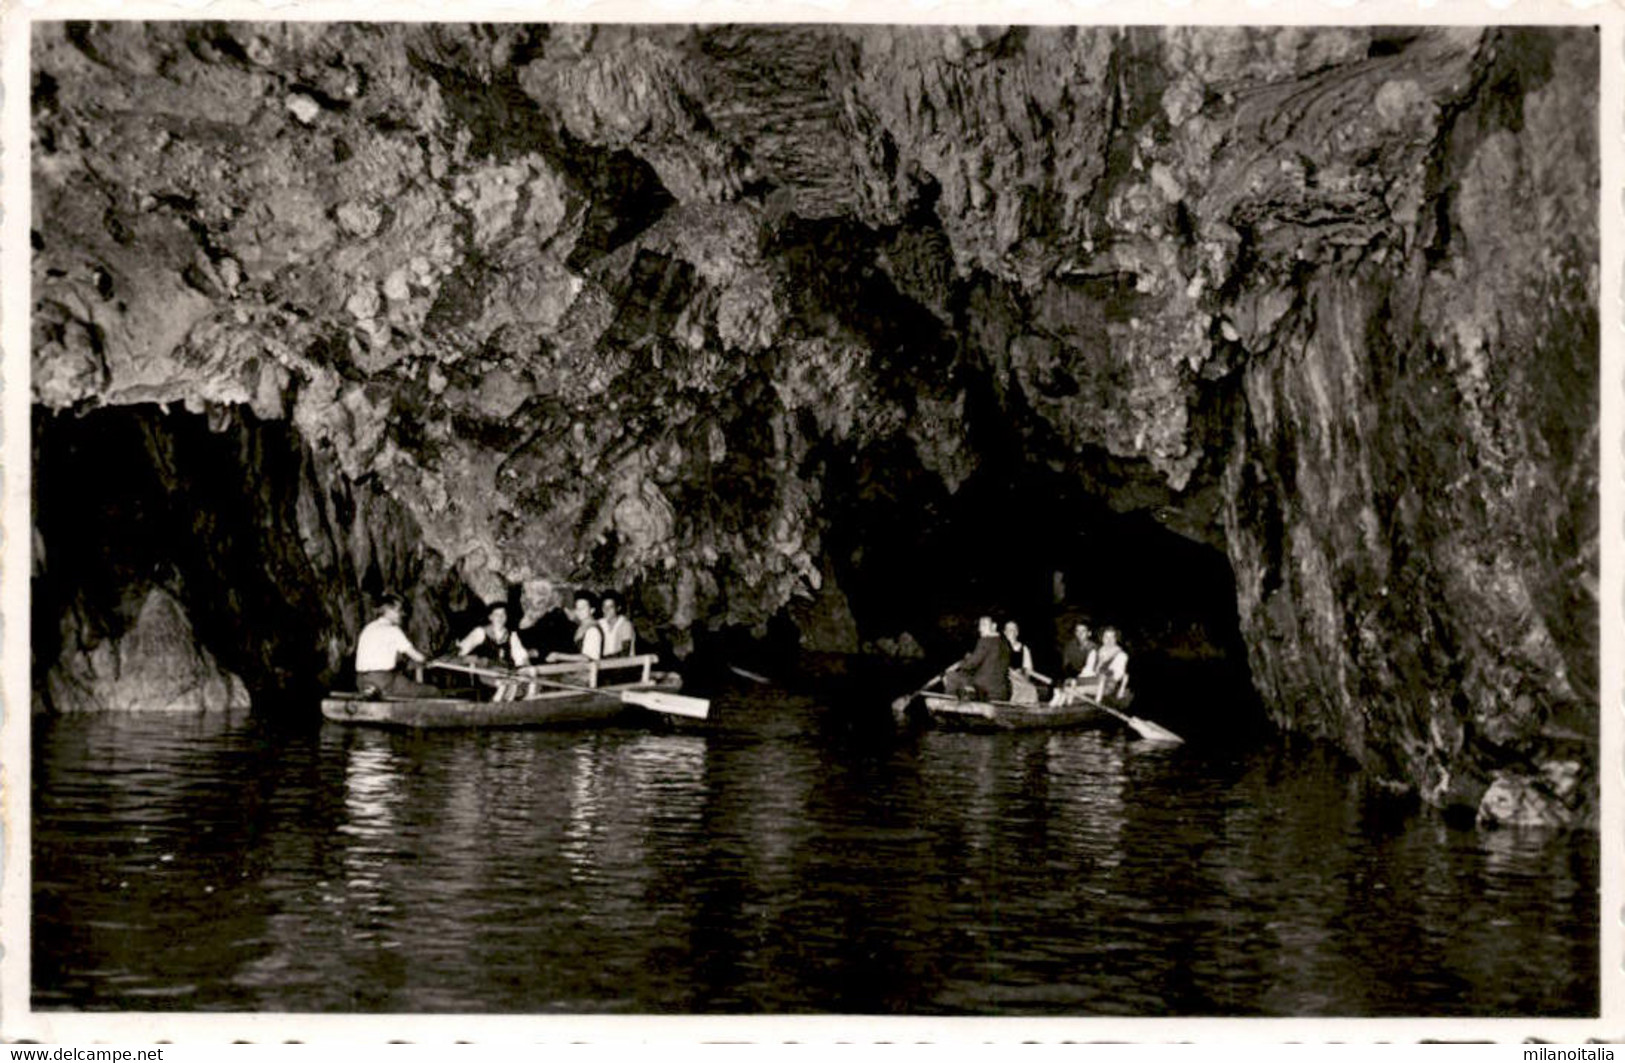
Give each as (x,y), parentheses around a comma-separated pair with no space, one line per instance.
(867,519)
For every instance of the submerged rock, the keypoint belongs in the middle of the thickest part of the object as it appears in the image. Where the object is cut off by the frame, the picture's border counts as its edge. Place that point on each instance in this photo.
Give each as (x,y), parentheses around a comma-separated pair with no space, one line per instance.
(1550,799)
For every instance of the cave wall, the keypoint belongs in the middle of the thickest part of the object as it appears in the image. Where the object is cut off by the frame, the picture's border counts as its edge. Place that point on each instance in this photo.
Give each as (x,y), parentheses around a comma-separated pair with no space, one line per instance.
(624,305)
(1412,492)
(186,561)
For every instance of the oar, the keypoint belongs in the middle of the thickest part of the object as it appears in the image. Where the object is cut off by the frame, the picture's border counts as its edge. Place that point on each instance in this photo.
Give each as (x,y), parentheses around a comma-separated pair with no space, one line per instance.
(673,704)
(657,700)
(898,705)
(1147,730)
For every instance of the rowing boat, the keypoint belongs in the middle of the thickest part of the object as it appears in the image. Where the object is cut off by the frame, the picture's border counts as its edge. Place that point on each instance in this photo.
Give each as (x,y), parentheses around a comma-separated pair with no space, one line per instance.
(1010,716)
(551,708)
(518,702)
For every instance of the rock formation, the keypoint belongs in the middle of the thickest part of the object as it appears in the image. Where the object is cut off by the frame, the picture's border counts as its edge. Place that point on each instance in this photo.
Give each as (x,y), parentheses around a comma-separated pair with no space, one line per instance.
(649,306)
(154,664)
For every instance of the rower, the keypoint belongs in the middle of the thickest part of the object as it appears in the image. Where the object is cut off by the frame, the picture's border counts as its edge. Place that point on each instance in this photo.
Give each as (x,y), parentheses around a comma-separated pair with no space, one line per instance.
(985,671)
(379,648)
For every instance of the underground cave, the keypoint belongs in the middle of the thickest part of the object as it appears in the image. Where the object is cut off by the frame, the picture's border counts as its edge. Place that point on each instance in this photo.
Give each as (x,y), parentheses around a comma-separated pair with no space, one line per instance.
(929,322)
(817,342)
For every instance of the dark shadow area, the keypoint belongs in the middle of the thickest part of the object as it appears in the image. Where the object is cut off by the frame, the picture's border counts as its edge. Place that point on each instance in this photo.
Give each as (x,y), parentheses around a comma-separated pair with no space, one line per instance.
(274,555)
(1018,544)
(1025,545)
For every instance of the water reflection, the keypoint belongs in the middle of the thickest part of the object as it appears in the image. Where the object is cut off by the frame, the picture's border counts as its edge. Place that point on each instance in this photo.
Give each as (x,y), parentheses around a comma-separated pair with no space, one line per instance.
(1087,786)
(778,865)
(584,816)
(371,791)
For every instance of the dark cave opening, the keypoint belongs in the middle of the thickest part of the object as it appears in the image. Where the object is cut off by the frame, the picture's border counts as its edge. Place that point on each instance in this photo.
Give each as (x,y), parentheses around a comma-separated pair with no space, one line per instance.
(1026,543)
(276,557)
(1018,539)
(273,555)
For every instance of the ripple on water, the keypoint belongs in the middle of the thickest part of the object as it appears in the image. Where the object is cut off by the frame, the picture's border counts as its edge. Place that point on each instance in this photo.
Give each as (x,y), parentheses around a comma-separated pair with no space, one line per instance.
(773,865)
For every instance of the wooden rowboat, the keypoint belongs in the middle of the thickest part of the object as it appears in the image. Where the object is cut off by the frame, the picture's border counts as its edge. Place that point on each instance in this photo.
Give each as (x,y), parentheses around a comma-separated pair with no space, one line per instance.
(518,703)
(1009,716)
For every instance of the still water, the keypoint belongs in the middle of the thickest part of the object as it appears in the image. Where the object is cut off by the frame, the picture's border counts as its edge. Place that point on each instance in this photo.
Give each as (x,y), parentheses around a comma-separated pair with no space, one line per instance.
(785,862)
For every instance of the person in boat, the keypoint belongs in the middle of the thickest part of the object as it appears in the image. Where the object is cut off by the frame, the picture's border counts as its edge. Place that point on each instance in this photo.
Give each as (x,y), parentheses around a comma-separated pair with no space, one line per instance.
(1025,681)
(620,639)
(1105,674)
(1077,656)
(1111,661)
(589,635)
(1077,665)
(379,649)
(1021,655)
(542,627)
(985,671)
(493,641)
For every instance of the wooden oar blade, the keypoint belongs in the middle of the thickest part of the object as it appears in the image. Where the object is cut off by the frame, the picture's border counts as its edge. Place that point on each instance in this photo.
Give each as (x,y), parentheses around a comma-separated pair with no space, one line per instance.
(1152,732)
(675,704)
(1147,730)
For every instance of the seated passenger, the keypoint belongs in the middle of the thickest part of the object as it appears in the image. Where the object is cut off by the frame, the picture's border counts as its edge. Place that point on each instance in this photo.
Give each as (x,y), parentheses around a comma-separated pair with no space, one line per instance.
(1024,680)
(1111,662)
(1104,674)
(1077,654)
(494,642)
(589,637)
(985,671)
(620,640)
(1077,665)
(1021,656)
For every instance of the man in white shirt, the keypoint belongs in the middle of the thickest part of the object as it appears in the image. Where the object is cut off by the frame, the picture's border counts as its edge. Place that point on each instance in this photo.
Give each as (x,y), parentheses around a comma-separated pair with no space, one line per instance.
(620,640)
(379,649)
